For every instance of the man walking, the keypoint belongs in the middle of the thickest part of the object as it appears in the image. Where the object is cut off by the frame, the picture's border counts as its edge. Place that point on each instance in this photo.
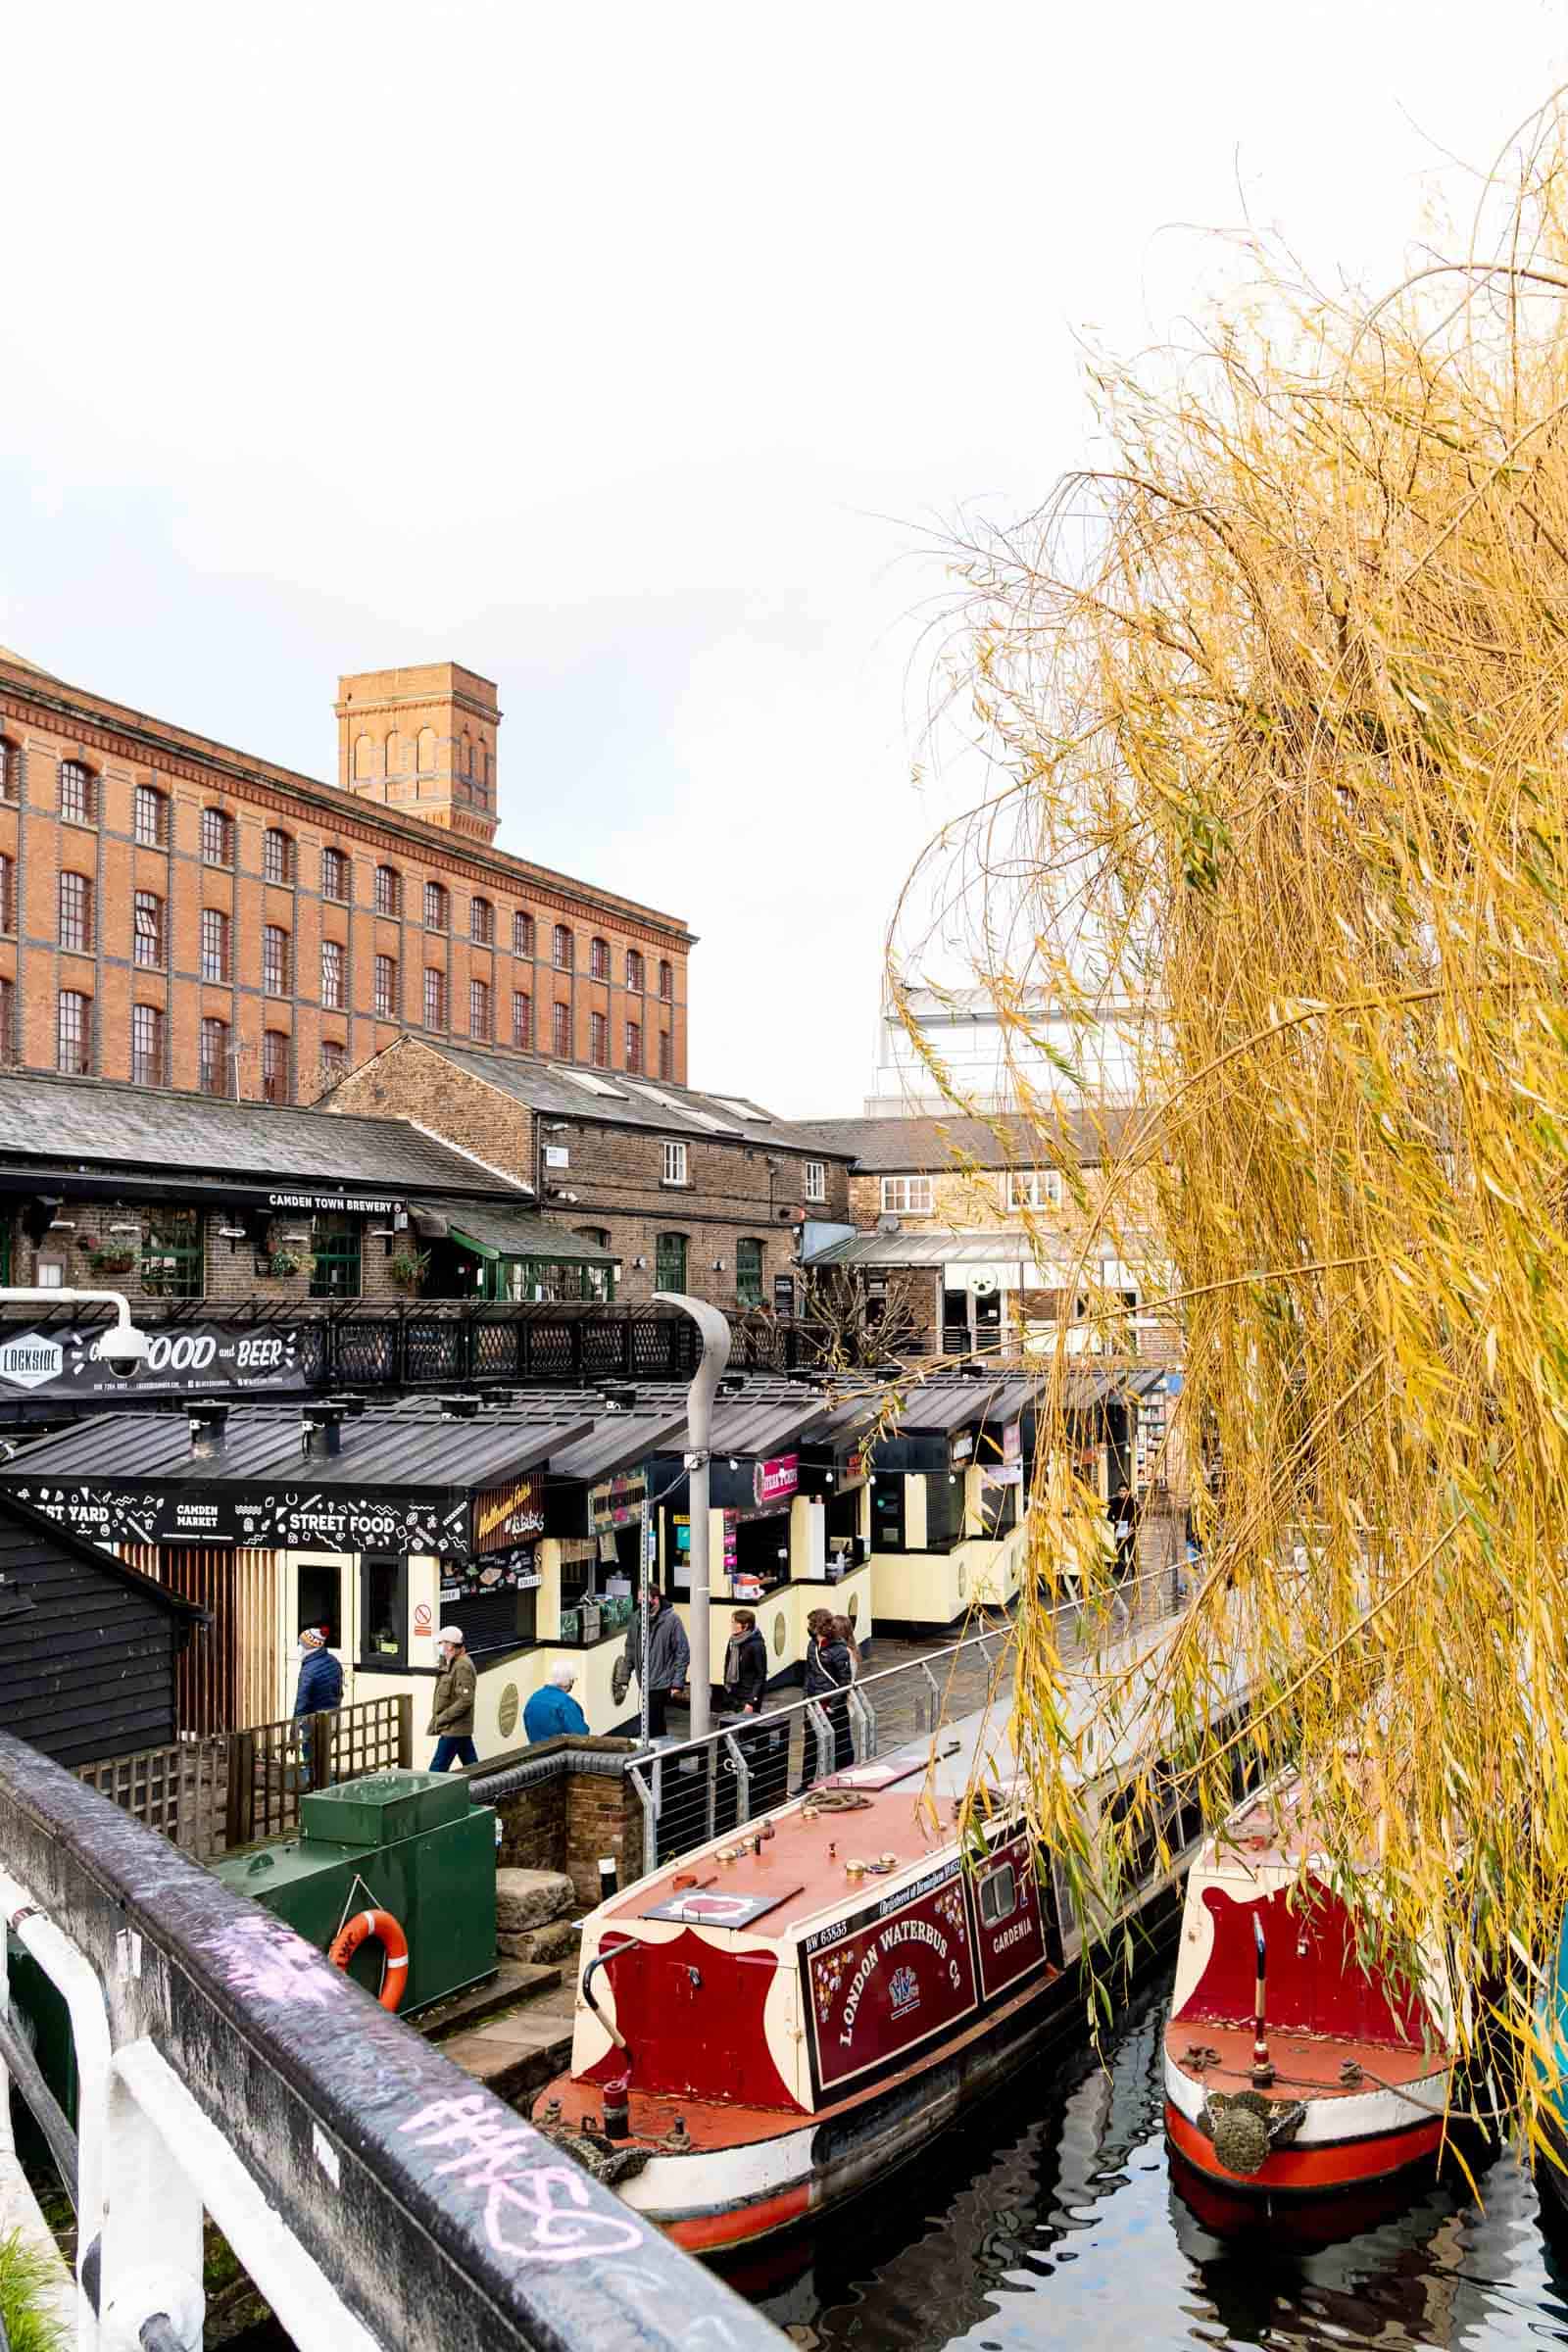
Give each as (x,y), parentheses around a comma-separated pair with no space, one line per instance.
(669,1658)
(553,1710)
(320,1691)
(452,1708)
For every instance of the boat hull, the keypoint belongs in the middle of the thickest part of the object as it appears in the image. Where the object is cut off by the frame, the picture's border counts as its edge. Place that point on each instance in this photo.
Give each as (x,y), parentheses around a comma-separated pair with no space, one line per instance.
(728,2198)
(1342,2143)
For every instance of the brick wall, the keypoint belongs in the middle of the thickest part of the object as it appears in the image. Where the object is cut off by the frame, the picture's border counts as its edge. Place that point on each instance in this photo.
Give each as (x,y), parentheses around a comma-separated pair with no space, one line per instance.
(40,729)
(615,1172)
(229,1271)
(567,1820)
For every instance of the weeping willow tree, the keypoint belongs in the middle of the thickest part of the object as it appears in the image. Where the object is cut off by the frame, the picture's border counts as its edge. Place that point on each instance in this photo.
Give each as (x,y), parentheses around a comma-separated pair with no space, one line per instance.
(1279,693)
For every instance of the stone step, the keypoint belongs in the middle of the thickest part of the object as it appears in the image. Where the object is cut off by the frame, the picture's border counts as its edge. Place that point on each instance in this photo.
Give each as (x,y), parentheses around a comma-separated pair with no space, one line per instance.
(513,1981)
(531,1898)
(516,2055)
(557,1940)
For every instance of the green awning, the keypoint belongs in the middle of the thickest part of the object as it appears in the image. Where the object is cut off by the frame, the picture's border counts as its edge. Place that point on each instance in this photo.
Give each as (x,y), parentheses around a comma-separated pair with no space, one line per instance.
(491,1229)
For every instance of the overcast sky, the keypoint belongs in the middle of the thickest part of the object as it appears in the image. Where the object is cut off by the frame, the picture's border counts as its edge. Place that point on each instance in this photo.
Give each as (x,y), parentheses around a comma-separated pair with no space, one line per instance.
(632,356)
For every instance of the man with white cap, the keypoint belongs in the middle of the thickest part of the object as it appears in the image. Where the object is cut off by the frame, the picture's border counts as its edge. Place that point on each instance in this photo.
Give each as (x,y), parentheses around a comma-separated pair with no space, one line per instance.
(452,1708)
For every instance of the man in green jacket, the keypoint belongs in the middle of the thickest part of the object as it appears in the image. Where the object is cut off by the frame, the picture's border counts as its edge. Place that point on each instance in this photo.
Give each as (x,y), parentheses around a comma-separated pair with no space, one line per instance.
(451,1709)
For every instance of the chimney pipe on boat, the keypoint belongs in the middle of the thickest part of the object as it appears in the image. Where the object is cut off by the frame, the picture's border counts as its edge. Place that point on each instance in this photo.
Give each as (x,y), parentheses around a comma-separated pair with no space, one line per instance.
(1262,2064)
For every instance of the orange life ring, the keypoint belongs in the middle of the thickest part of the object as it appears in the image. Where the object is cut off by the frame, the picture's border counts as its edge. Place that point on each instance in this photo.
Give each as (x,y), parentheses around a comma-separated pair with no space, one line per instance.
(384,1928)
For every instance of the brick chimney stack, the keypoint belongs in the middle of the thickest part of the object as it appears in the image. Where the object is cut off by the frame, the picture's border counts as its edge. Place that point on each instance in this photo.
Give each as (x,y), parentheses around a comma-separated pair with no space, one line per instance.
(421,741)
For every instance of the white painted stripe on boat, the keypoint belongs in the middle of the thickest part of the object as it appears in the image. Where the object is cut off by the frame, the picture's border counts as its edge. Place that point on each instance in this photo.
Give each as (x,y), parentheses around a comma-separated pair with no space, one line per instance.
(1329,2121)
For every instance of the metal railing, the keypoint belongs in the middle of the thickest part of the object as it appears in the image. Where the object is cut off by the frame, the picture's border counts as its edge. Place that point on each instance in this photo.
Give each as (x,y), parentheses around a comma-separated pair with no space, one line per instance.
(231,1788)
(372,2191)
(699,1788)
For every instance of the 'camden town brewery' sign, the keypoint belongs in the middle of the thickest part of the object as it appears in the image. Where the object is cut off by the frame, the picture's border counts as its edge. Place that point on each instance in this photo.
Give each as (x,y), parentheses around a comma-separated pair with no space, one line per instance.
(196,1356)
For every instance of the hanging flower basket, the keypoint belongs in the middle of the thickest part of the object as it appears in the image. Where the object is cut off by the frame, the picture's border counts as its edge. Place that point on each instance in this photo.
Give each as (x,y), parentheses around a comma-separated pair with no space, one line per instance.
(111,1260)
(408,1268)
(285,1262)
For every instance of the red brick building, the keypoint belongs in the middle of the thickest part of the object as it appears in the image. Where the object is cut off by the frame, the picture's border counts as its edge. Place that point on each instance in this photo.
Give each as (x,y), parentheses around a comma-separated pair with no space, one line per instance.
(178,913)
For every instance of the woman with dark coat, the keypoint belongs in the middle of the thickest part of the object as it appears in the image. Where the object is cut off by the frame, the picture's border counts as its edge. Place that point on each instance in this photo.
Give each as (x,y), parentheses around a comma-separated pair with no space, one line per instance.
(829,1671)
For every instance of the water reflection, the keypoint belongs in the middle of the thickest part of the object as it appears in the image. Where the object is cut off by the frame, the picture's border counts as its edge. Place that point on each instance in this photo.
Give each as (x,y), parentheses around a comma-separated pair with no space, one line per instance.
(1052,2217)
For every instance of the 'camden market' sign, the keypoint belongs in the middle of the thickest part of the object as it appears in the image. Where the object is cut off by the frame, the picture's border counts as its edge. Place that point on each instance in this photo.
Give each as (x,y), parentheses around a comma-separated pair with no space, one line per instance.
(297,1518)
(209,1357)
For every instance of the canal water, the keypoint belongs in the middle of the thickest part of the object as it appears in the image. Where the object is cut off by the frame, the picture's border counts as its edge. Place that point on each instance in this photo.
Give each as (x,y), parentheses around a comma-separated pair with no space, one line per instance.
(1052,2219)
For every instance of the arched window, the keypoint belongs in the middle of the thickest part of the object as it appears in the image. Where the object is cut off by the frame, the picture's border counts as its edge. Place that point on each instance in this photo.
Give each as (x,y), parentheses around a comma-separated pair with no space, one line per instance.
(78,796)
(562,951)
(8,893)
(634,1047)
(150,817)
(10,772)
(75,913)
(427,751)
(478,1009)
(666,982)
(215,944)
(73,1034)
(599,960)
(560,1031)
(217,837)
(394,753)
(214,1058)
(363,759)
(274,1066)
(388,889)
(634,970)
(334,874)
(598,1041)
(278,857)
(522,935)
(435,907)
(481,922)
(522,1019)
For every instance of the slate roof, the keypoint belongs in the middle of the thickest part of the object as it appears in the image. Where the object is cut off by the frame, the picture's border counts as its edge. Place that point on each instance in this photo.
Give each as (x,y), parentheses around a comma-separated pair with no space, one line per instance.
(94,1122)
(934,1146)
(557,1090)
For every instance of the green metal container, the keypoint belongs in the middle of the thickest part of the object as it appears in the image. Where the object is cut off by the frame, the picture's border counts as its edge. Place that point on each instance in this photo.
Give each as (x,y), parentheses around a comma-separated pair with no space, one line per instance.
(438,1879)
(384,1807)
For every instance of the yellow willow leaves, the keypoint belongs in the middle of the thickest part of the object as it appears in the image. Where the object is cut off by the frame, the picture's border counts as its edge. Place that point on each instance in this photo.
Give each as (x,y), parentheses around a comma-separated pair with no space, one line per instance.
(1280,694)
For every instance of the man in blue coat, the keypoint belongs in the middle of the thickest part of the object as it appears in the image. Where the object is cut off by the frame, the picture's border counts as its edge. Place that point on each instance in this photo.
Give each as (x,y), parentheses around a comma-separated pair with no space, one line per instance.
(551,1709)
(320,1691)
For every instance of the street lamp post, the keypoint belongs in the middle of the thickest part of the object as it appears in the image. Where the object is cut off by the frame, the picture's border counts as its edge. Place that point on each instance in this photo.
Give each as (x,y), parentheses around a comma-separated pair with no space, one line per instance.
(714,1329)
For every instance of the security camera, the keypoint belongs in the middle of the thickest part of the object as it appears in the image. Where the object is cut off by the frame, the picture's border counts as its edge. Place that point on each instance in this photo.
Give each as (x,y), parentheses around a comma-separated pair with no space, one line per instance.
(122,1351)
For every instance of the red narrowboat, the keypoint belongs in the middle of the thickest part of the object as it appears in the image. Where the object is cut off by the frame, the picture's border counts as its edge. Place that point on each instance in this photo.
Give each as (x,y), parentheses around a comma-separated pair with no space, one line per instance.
(1291,2068)
(771,2024)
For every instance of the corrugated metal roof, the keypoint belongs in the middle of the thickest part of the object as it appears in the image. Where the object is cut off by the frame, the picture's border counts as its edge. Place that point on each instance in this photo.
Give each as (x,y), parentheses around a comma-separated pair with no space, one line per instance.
(393,1450)
(1005,1246)
(949,1404)
(759,1427)
(841,1423)
(96,1123)
(517,1233)
(618,1442)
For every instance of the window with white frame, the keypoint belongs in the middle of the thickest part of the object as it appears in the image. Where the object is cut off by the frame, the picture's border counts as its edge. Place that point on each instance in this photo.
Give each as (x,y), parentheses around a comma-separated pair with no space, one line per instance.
(675,1165)
(813,1180)
(906,1196)
(1034,1188)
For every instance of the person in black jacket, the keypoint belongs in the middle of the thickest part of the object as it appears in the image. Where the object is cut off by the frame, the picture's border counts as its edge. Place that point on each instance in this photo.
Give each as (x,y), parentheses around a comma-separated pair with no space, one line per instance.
(745,1663)
(829,1671)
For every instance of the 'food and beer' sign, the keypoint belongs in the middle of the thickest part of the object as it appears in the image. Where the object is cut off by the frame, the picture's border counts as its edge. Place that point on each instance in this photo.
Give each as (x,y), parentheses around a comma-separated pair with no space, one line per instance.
(206,1356)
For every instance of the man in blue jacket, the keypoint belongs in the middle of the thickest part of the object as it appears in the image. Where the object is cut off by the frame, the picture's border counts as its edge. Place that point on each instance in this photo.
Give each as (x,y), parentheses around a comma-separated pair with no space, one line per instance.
(321,1690)
(551,1709)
